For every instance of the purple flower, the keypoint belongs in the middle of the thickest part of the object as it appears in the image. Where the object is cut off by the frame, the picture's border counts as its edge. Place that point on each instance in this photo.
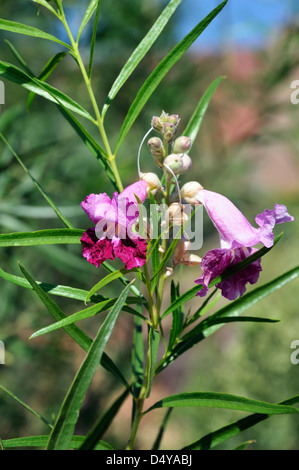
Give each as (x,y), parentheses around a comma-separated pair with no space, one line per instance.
(112,235)
(237,237)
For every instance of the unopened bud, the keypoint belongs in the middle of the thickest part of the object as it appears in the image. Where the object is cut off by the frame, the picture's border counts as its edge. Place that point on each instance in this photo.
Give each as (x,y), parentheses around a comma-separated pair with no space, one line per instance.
(169,132)
(156,147)
(190,259)
(180,251)
(168,272)
(157,124)
(153,182)
(189,192)
(178,163)
(182,144)
(174,119)
(176,214)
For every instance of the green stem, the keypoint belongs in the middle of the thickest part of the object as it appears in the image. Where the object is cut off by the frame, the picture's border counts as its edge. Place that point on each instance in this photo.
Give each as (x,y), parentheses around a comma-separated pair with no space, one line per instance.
(99,120)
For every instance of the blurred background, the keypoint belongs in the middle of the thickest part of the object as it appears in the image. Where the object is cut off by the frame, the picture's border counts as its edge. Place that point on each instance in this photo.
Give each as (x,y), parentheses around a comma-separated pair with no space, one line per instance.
(247,149)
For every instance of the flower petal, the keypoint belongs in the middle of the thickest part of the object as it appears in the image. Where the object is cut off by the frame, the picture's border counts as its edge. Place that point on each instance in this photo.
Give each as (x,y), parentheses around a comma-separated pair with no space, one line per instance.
(139,189)
(233,227)
(95,250)
(215,262)
(96,206)
(132,252)
(267,220)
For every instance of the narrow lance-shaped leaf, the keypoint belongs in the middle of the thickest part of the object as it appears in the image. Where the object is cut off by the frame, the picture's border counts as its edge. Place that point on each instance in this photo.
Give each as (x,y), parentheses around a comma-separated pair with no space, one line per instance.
(27,407)
(141,51)
(73,331)
(235,308)
(63,429)
(16,75)
(46,72)
(87,16)
(222,400)
(161,70)
(41,441)
(224,433)
(106,280)
(103,423)
(14,27)
(93,39)
(196,119)
(41,237)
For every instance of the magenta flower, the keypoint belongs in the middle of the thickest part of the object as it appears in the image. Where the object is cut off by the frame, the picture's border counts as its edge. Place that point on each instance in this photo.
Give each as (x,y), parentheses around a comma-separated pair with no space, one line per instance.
(237,237)
(112,235)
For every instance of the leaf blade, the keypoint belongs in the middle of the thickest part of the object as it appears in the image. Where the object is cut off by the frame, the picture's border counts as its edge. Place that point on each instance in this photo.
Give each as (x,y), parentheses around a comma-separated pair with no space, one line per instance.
(161,70)
(141,51)
(222,400)
(63,428)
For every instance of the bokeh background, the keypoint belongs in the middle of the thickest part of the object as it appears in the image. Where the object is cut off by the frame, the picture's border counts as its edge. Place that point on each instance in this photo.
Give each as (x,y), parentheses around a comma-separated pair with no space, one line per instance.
(247,149)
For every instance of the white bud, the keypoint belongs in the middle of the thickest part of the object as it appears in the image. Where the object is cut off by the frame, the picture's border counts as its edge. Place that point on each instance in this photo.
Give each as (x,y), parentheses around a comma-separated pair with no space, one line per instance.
(189,192)
(176,214)
(190,259)
(153,182)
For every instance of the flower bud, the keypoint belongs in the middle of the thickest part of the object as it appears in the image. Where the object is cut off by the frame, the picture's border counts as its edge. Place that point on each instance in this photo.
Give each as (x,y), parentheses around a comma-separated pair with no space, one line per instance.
(156,147)
(157,124)
(176,214)
(174,162)
(190,259)
(168,272)
(182,144)
(189,192)
(153,182)
(169,131)
(178,163)
(174,119)
(180,251)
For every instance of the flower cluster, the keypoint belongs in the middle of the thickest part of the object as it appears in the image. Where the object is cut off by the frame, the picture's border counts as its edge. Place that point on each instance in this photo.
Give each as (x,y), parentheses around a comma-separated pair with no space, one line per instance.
(113,235)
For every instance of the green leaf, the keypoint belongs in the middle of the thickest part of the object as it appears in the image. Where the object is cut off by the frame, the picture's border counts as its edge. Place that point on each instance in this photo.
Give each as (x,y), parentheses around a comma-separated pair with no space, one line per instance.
(45,4)
(63,429)
(141,51)
(195,121)
(27,407)
(63,219)
(16,75)
(222,434)
(41,237)
(88,14)
(106,280)
(161,70)
(191,293)
(137,358)
(73,331)
(62,291)
(70,319)
(101,426)
(153,348)
(159,437)
(177,317)
(233,309)
(90,143)
(18,56)
(46,72)
(14,27)
(222,400)
(41,441)
(93,39)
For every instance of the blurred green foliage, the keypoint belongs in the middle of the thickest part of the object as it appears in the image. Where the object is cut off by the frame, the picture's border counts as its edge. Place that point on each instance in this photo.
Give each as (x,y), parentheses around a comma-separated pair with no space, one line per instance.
(247,149)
